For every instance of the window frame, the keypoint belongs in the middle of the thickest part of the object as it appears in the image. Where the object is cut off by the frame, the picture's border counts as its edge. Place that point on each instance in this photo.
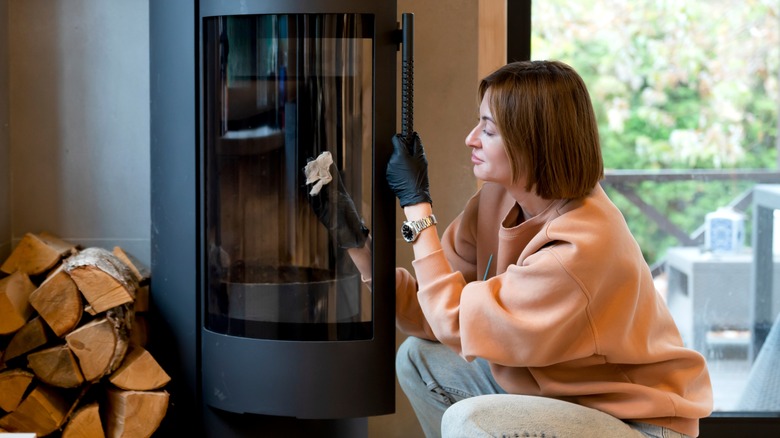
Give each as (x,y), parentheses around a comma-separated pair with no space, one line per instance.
(722,424)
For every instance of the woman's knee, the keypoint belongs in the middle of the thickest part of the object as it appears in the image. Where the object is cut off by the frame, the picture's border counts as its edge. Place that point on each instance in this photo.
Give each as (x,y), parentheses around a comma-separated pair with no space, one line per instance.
(501,414)
(406,358)
(473,410)
(466,417)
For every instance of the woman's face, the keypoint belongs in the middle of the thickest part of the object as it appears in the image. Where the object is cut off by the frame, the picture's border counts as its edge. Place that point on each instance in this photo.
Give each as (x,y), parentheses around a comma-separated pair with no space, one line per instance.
(488,155)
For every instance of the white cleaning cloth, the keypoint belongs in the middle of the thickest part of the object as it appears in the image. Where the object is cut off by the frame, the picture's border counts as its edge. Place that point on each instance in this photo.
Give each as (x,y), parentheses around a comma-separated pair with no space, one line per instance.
(318,171)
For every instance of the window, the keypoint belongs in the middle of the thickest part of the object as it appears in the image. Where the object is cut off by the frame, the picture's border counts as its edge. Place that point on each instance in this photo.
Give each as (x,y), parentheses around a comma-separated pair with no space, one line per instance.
(686,94)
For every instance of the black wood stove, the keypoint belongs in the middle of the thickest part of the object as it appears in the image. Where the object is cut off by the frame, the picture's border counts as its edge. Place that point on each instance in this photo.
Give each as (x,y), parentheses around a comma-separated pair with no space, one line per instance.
(260,316)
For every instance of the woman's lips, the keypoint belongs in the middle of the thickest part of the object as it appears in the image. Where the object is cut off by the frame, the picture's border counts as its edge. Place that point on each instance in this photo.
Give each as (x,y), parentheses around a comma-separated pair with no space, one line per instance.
(475,160)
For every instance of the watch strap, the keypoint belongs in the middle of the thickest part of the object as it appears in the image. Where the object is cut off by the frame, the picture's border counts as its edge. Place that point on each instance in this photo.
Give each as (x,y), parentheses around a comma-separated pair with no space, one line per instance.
(421,224)
(418,225)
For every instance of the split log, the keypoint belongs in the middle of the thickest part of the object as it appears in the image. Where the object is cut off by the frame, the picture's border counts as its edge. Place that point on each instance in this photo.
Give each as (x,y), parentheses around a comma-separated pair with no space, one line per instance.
(34,334)
(141,303)
(99,346)
(139,335)
(15,306)
(139,371)
(135,414)
(61,246)
(103,279)
(142,273)
(85,423)
(59,302)
(13,385)
(60,352)
(56,366)
(36,254)
(42,412)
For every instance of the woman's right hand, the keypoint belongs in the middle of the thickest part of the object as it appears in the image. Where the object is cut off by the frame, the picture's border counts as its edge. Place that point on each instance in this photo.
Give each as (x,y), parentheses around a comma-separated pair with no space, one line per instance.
(407,171)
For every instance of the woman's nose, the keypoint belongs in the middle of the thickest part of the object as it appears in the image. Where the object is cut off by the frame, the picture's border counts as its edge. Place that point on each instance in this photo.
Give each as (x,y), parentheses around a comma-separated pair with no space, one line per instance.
(472,139)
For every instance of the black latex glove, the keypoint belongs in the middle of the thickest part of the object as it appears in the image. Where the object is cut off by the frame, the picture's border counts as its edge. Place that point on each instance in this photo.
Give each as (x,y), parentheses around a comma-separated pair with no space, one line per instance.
(407,171)
(336,210)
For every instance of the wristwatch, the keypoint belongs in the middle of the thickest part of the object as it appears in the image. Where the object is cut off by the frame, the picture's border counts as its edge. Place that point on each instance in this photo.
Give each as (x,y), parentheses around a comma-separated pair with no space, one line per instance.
(411,229)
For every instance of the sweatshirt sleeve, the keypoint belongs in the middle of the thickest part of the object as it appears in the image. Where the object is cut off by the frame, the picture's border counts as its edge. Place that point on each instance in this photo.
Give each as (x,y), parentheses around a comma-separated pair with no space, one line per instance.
(459,247)
(409,318)
(530,315)
(460,253)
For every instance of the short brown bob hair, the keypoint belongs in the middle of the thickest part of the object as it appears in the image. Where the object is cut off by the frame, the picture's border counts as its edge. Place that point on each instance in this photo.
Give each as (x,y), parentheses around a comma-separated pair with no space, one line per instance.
(543,112)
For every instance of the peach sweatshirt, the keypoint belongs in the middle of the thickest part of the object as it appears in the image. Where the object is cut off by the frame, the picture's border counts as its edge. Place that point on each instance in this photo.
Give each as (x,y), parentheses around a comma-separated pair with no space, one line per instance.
(569,309)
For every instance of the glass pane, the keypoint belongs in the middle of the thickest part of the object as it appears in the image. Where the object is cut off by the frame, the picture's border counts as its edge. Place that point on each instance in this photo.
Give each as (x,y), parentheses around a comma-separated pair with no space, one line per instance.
(686,93)
(279,91)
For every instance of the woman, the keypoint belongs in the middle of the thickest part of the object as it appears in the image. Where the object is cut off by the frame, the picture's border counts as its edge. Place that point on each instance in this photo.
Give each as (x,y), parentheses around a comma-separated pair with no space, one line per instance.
(537,288)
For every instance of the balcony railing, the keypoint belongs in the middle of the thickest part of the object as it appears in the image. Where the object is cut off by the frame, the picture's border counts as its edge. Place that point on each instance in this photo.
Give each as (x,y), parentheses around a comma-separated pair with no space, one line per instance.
(626,182)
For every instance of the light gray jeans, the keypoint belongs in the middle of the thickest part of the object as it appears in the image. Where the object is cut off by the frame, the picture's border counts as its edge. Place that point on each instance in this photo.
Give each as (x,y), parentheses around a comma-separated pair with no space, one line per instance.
(455,398)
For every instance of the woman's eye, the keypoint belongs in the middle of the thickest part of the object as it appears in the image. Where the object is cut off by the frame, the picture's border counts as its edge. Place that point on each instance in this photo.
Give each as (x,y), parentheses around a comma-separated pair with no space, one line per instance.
(488,133)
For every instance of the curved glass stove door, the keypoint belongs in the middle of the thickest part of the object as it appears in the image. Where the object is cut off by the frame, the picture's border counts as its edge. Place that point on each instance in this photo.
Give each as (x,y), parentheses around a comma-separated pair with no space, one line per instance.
(279,91)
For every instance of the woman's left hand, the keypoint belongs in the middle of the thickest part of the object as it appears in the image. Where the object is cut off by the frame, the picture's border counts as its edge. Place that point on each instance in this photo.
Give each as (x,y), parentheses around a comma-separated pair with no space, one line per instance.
(407,171)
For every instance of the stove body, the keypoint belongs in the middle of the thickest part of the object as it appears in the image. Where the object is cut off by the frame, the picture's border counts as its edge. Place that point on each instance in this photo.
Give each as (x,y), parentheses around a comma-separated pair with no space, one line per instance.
(260,314)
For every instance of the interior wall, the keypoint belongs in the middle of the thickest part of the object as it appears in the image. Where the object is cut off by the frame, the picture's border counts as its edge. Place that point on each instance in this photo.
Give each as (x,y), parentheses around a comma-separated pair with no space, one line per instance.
(76,152)
(79,136)
(5,178)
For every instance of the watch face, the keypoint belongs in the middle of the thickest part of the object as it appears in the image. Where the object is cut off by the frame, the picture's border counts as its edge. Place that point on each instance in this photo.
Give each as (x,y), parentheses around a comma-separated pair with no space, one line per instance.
(407,232)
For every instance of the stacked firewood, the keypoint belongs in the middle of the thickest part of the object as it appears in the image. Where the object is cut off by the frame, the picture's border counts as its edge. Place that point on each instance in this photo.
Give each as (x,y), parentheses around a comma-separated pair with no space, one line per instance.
(72,337)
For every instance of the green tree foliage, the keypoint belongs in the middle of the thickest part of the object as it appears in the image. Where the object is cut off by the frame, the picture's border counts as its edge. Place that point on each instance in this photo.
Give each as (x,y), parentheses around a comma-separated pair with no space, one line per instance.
(676,84)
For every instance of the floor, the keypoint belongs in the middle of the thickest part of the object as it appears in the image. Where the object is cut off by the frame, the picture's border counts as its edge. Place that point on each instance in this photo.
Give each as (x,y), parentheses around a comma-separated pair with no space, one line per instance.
(728,380)
(727,361)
